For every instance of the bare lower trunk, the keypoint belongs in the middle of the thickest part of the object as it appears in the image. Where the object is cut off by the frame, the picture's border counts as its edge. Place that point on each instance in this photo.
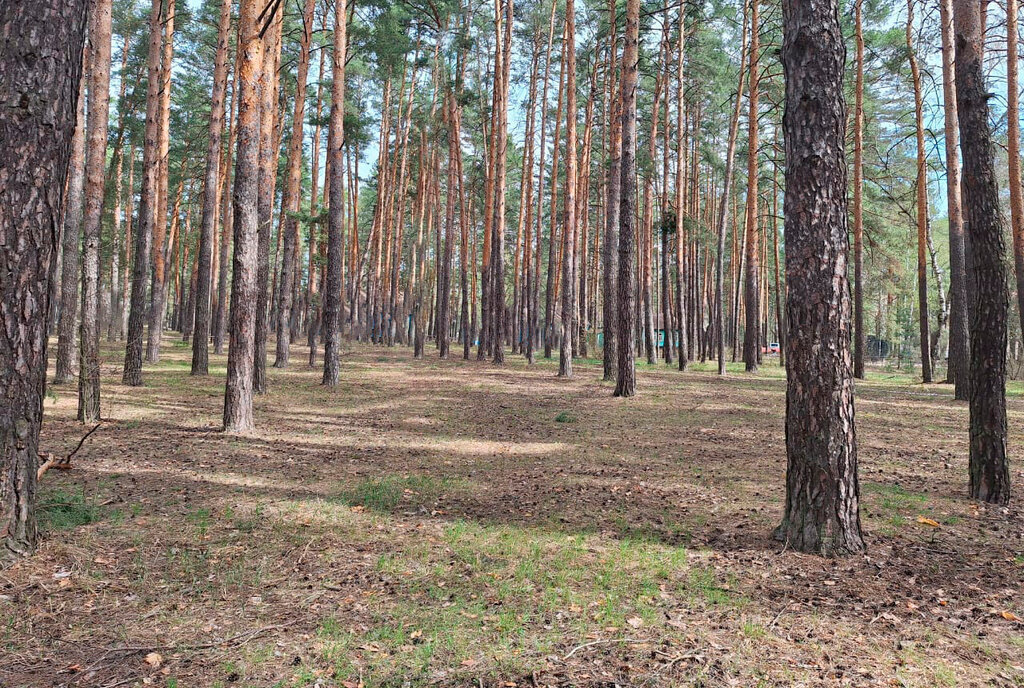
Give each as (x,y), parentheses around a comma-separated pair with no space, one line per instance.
(822,491)
(41,58)
(625,383)
(99,101)
(211,199)
(238,391)
(67,346)
(989,469)
(336,191)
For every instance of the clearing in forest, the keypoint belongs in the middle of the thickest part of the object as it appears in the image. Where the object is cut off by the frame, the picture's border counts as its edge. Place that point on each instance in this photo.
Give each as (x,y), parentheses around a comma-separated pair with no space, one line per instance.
(456,523)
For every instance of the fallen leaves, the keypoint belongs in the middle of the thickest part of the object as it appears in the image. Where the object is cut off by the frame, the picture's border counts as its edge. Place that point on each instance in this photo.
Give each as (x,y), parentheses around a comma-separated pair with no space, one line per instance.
(927,521)
(154,660)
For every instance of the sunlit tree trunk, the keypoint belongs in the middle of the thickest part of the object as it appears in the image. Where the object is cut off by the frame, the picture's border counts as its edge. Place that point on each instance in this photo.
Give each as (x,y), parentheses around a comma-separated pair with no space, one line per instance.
(238,392)
(95,166)
(158,289)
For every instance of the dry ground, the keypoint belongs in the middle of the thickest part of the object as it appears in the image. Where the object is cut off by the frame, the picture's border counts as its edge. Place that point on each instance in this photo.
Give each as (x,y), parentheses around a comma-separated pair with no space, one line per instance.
(453,523)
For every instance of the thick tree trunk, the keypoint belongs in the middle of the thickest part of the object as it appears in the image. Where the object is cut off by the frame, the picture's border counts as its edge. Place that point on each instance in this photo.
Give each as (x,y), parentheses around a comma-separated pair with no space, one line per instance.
(40,68)
(989,468)
(822,490)
(625,383)
(211,198)
(336,191)
(67,341)
(99,102)
(147,206)
(238,391)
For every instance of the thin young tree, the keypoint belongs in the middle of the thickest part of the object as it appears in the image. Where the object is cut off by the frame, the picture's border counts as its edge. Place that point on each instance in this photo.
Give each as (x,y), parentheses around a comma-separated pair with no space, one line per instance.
(238,390)
(922,201)
(859,336)
(95,166)
(565,352)
(610,247)
(67,329)
(683,351)
(989,468)
(293,193)
(336,200)
(147,204)
(1013,152)
(158,288)
(211,198)
(40,68)
(959,329)
(723,208)
(752,262)
(625,382)
(822,491)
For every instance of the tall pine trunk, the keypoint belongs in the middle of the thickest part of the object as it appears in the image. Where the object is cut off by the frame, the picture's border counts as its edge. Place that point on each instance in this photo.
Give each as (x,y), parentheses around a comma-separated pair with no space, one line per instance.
(822,491)
(625,383)
(989,468)
(238,391)
(96,158)
(336,199)
(211,198)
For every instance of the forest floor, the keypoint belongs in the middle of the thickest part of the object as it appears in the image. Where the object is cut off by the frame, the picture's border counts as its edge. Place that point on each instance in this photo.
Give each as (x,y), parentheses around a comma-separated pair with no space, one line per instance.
(455,523)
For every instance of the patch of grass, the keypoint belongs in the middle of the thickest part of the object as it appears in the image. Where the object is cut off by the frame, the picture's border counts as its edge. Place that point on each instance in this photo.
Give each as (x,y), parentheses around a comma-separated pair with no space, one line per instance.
(384,494)
(565,417)
(62,510)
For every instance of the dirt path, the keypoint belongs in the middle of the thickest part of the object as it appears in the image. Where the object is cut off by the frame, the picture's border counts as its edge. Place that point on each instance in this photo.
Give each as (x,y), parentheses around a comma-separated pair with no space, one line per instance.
(453,523)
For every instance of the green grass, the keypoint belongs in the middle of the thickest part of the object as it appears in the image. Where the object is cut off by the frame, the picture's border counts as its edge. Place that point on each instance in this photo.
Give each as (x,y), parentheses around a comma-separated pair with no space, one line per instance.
(60,510)
(496,600)
(565,417)
(384,494)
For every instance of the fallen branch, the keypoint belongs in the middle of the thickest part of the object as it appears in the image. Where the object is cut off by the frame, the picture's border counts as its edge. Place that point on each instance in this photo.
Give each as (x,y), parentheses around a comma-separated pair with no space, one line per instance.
(604,642)
(64,462)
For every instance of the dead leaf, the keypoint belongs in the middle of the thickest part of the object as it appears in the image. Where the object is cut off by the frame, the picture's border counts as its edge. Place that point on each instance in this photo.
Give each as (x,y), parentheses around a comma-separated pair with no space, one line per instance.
(928,521)
(1010,616)
(154,660)
(468,662)
(635,621)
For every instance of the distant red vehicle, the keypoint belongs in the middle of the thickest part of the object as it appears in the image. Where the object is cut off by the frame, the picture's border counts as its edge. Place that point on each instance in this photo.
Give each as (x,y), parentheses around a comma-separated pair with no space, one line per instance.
(772,348)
